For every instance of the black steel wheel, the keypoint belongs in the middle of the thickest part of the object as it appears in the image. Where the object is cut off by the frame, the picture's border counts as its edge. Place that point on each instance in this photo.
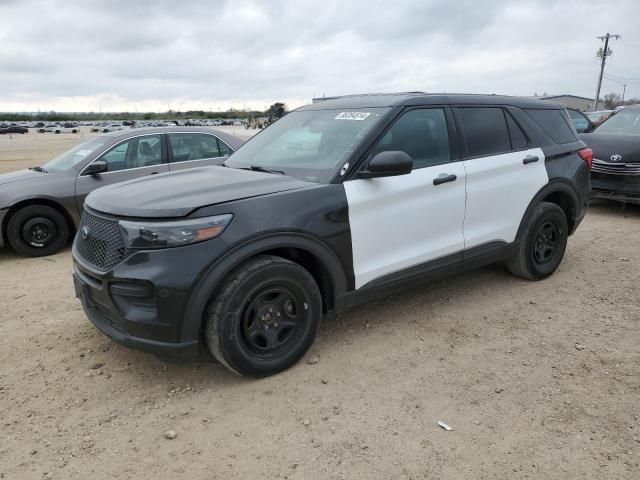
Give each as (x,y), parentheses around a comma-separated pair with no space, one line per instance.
(37,231)
(542,244)
(265,317)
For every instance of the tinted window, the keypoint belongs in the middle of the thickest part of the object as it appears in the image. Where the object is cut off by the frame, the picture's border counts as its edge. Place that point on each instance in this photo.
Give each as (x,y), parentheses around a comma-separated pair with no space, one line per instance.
(485,131)
(422,134)
(518,138)
(134,153)
(225,150)
(193,146)
(554,123)
(580,122)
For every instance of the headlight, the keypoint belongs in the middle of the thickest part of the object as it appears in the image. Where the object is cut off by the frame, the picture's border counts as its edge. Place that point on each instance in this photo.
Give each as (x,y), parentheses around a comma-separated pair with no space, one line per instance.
(143,235)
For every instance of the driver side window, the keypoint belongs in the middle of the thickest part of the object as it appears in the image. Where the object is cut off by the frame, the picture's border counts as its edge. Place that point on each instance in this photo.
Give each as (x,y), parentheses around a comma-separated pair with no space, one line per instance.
(422,134)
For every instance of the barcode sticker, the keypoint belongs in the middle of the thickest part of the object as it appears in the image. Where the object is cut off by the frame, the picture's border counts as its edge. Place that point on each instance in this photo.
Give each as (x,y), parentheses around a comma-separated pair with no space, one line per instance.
(352,116)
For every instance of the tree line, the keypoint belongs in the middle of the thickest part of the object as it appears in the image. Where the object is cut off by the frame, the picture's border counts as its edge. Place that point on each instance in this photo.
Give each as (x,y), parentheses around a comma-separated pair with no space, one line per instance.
(275,111)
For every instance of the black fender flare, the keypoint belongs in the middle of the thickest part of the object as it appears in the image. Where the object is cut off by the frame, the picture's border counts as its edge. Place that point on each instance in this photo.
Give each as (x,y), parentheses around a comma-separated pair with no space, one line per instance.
(218,270)
(554,186)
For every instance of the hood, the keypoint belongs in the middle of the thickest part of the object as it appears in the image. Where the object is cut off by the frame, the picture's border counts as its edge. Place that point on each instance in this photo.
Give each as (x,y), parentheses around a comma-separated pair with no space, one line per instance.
(177,194)
(604,145)
(19,175)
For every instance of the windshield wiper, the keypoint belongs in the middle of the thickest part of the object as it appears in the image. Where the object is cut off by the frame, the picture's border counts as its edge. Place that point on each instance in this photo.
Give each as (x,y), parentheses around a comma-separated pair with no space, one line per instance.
(258,168)
(38,169)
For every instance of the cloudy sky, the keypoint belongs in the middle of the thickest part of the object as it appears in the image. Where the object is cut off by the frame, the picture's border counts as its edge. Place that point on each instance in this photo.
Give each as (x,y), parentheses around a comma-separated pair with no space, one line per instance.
(151,55)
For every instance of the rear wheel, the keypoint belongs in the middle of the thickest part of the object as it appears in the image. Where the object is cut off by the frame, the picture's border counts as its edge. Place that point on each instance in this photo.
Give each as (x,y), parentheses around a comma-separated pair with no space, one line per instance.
(265,317)
(37,231)
(542,245)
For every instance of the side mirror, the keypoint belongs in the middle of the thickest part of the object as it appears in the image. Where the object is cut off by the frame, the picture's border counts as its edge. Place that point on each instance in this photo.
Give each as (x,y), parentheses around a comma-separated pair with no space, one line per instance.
(388,164)
(96,168)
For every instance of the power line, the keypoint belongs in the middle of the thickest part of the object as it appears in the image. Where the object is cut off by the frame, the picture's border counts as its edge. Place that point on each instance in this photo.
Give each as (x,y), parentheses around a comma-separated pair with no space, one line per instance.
(603,53)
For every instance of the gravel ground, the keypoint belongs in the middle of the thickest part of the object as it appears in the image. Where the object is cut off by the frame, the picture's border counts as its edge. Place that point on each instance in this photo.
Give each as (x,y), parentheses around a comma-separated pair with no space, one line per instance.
(537,380)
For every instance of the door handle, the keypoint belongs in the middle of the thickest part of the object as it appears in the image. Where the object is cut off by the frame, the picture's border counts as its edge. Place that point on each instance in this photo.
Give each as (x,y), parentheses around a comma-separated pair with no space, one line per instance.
(153,173)
(530,159)
(444,178)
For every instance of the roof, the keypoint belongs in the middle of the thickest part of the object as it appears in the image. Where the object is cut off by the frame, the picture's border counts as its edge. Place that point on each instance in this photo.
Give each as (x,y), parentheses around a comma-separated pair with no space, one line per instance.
(233,142)
(421,98)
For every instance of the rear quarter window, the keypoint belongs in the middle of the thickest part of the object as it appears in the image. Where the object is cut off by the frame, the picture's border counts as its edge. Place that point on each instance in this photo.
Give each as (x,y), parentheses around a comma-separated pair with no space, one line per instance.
(554,123)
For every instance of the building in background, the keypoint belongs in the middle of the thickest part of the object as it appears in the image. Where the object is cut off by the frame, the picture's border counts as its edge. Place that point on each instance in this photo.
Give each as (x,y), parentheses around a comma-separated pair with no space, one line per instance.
(583,104)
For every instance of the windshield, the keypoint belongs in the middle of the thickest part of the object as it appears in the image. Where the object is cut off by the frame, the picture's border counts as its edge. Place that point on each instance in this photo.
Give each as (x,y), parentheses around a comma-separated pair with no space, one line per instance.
(625,122)
(73,157)
(311,145)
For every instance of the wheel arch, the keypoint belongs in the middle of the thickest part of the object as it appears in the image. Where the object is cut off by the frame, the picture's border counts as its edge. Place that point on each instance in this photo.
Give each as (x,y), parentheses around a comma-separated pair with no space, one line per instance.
(560,193)
(35,201)
(307,251)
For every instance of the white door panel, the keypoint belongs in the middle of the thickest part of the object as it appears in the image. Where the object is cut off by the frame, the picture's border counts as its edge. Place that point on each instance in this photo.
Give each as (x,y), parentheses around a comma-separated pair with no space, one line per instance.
(399,222)
(499,190)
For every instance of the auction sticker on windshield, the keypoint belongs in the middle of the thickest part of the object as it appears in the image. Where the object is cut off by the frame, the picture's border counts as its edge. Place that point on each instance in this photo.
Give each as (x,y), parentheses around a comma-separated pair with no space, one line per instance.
(352,116)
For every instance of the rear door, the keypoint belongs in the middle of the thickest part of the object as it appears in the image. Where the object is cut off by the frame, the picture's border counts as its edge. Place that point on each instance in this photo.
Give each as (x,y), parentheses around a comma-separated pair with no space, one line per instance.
(405,221)
(132,158)
(192,149)
(504,173)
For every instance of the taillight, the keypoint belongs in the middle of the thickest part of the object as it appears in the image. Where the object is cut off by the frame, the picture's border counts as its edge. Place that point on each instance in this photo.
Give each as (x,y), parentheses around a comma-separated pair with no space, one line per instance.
(587,155)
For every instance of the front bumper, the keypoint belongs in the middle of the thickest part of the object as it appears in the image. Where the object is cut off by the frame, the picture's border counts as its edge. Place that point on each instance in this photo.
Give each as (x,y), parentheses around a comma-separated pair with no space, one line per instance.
(142,302)
(622,188)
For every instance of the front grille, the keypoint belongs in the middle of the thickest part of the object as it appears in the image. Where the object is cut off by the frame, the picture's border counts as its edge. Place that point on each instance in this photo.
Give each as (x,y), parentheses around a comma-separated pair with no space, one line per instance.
(99,242)
(600,166)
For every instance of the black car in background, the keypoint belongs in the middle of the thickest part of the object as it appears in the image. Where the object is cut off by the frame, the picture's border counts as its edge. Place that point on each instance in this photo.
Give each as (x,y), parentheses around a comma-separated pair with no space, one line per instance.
(14,129)
(616,157)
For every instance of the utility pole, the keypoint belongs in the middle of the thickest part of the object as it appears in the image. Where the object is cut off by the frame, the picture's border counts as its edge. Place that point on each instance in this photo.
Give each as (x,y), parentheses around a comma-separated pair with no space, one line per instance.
(604,53)
(624,89)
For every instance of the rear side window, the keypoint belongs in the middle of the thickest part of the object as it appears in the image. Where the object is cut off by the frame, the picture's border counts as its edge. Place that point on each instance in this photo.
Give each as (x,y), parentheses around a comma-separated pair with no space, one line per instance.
(485,130)
(554,123)
(518,138)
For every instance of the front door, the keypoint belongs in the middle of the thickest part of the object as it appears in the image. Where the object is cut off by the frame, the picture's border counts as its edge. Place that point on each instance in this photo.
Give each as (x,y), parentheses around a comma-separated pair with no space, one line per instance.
(408,220)
(133,158)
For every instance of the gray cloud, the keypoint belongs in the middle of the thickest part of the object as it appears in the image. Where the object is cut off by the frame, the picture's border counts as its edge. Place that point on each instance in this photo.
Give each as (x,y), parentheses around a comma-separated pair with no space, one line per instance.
(203,54)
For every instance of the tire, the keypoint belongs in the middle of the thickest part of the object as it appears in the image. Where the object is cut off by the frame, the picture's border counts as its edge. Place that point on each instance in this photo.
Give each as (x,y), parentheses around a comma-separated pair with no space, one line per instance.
(542,245)
(264,318)
(74,131)
(57,131)
(37,231)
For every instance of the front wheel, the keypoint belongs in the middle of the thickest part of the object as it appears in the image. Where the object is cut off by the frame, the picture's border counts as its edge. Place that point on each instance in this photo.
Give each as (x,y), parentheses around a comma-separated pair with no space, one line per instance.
(265,317)
(542,244)
(37,231)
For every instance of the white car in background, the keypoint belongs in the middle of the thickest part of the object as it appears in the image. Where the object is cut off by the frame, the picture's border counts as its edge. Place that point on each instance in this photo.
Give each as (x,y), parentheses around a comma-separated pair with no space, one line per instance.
(55,128)
(113,127)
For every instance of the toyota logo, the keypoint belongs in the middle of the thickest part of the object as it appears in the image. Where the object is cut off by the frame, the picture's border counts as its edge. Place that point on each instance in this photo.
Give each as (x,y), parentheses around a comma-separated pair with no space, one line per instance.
(616,157)
(84,233)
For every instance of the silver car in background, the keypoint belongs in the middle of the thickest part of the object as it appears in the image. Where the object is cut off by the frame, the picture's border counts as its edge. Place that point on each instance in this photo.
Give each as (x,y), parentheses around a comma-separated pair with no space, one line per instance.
(41,207)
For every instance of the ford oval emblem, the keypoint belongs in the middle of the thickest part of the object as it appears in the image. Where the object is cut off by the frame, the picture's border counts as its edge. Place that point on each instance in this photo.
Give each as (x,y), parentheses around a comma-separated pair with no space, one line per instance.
(616,157)
(84,233)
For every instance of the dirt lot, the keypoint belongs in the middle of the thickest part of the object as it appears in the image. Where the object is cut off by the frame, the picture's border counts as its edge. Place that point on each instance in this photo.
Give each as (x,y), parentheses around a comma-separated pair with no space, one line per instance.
(538,380)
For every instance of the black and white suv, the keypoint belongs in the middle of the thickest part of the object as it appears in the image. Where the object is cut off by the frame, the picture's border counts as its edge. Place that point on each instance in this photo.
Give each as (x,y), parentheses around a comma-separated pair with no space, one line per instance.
(337,203)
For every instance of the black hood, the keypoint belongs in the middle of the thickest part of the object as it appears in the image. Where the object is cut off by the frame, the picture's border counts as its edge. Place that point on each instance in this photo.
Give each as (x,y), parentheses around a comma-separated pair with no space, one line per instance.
(606,145)
(179,193)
